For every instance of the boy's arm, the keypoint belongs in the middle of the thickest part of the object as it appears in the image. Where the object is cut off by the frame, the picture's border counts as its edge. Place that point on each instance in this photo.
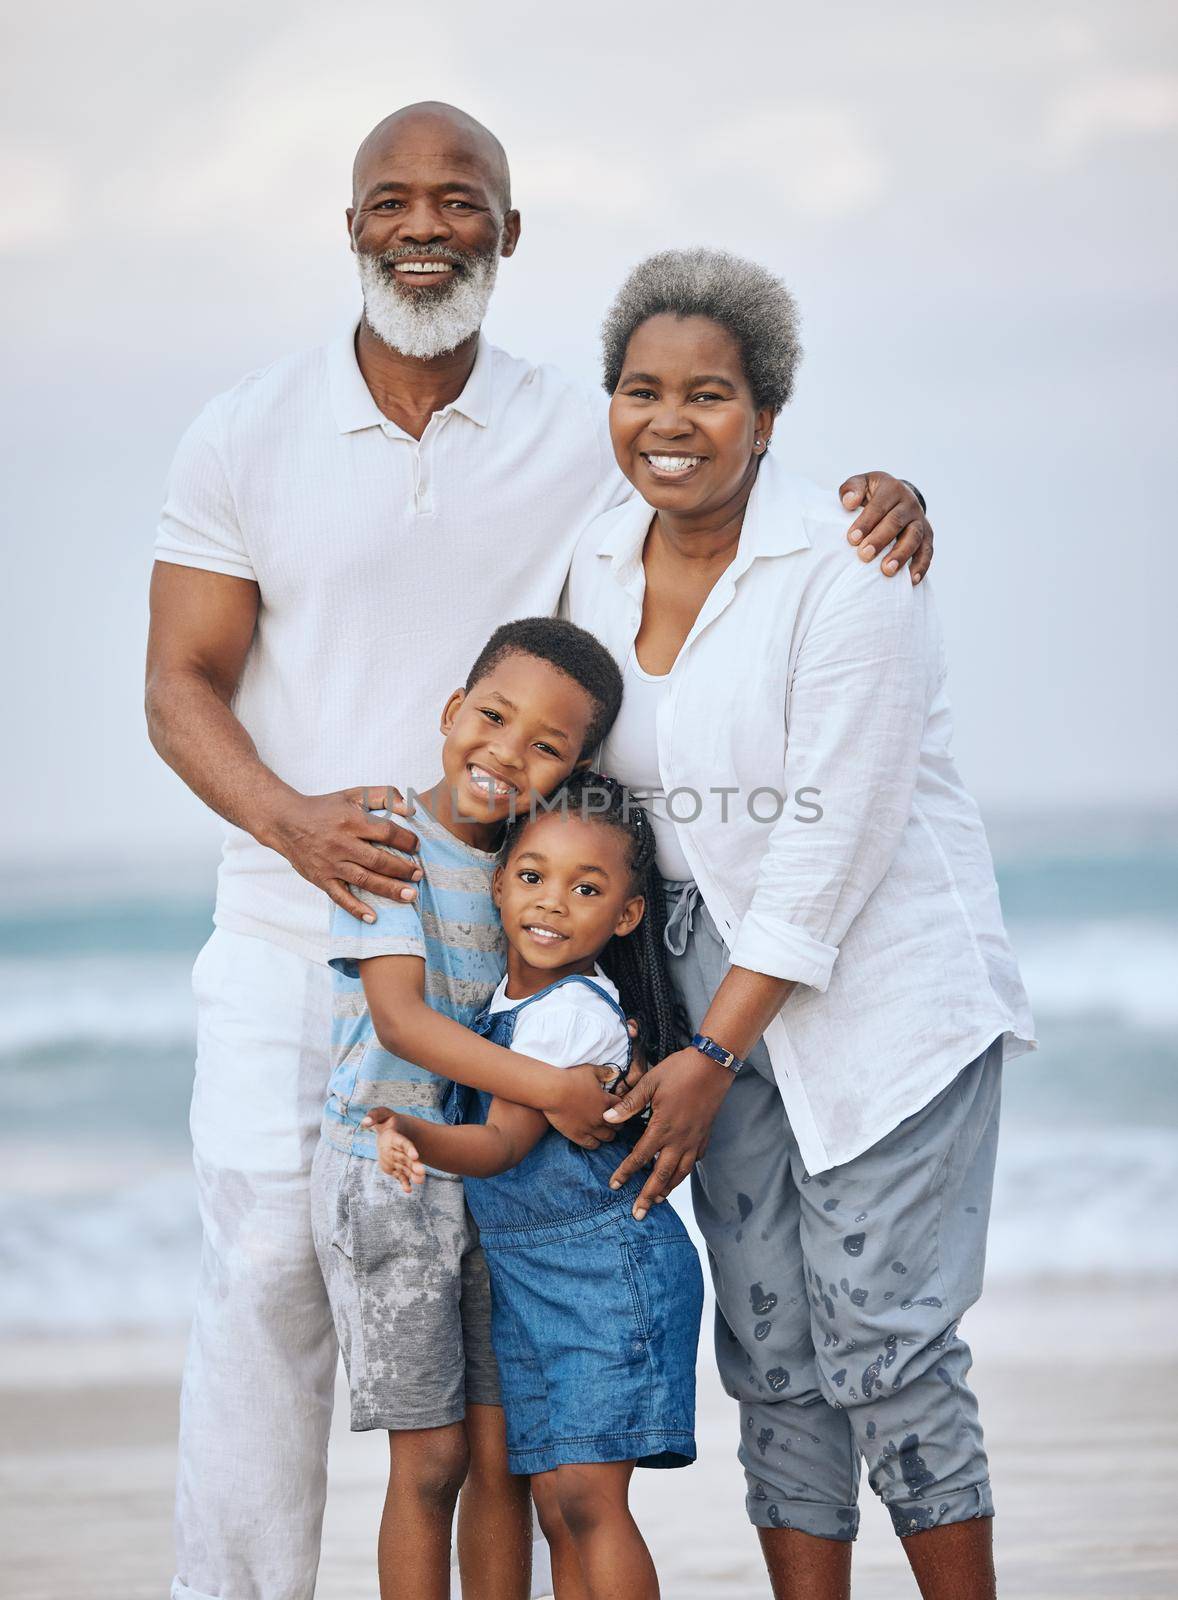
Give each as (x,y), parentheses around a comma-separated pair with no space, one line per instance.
(404,1142)
(572,1099)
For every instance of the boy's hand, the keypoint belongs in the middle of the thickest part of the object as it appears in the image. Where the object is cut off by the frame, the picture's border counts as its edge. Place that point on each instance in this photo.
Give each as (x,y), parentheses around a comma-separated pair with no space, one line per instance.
(396,1153)
(616,1080)
(579,1106)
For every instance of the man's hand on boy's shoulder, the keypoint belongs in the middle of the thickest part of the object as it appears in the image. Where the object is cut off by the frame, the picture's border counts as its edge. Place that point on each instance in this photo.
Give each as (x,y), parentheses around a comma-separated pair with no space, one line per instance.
(338,843)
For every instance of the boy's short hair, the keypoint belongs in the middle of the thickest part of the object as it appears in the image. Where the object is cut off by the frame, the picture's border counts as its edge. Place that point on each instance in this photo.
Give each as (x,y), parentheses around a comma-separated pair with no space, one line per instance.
(570,650)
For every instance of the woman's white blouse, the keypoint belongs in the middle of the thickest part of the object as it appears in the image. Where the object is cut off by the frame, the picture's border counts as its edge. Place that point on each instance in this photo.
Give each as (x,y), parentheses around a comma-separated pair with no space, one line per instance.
(806,729)
(630,754)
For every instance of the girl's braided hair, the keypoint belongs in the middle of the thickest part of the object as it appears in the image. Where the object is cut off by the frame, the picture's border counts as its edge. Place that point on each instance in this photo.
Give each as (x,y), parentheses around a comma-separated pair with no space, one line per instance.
(637,962)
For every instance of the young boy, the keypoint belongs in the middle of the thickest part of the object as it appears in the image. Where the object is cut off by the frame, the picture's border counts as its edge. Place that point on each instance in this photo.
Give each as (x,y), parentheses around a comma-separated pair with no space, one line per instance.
(405,1276)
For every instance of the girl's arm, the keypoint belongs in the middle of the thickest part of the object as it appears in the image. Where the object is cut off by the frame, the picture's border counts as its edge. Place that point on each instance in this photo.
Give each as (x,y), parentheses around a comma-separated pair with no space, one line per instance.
(394,987)
(405,1145)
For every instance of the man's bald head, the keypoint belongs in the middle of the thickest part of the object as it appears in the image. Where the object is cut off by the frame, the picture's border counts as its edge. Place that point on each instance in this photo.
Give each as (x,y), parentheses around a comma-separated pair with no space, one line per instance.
(449,130)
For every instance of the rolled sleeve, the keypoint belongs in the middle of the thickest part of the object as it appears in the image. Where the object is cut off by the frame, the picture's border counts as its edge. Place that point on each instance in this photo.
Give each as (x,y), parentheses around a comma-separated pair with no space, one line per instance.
(766,944)
(199,524)
(855,718)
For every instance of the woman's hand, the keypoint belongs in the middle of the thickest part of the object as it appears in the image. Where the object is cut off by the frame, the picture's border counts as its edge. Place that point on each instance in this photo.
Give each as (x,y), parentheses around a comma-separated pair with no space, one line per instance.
(395,1152)
(684,1092)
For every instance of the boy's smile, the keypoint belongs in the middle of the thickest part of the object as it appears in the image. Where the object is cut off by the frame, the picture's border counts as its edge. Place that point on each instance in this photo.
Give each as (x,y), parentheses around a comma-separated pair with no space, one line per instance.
(490,784)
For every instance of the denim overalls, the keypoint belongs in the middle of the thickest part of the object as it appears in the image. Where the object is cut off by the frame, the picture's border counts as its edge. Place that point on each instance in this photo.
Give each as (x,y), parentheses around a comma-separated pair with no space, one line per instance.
(595,1317)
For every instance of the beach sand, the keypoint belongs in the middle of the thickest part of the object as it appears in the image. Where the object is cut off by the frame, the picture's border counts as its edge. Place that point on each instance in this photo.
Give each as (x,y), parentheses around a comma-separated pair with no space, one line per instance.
(1079,1390)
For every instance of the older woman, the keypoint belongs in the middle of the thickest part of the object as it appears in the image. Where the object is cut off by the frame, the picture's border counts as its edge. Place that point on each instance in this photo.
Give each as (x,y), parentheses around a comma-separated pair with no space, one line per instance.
(836,931)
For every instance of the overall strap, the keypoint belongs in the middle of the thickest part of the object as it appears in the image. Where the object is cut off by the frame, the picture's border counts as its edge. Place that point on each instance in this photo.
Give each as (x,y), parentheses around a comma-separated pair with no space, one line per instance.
(485,1021)
(590,983)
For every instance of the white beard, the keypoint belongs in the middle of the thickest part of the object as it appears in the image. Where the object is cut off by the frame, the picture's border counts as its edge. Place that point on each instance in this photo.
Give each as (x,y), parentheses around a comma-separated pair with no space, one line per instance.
(429,322)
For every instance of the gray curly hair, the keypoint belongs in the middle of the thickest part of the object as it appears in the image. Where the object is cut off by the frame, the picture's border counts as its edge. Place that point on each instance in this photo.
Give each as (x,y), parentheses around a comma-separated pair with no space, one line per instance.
(755,307)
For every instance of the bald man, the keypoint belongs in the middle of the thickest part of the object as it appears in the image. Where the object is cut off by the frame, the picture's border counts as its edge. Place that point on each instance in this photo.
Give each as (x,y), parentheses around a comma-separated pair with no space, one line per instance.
(342,532)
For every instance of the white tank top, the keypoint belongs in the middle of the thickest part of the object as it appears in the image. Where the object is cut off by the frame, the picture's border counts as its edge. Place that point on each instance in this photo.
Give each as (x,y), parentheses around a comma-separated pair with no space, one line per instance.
(630,754)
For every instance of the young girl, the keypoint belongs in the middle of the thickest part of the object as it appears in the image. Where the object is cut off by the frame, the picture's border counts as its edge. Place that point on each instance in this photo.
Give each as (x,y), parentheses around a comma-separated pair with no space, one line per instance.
(595,1315)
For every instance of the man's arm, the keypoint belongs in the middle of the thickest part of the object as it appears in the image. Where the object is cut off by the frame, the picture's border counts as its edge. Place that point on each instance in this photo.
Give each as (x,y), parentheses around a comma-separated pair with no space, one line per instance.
(893,514)
(571,1098)
(202,623)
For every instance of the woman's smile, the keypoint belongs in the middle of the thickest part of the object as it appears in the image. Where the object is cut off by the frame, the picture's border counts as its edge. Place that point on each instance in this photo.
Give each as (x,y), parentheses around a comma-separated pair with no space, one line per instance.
(672,468)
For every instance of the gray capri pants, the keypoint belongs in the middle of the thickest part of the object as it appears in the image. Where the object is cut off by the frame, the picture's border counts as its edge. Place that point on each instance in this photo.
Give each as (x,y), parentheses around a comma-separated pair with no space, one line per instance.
(838,1296)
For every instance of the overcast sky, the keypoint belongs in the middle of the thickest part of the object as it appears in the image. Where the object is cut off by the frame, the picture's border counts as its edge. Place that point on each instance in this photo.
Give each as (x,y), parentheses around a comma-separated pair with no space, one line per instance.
(975,206)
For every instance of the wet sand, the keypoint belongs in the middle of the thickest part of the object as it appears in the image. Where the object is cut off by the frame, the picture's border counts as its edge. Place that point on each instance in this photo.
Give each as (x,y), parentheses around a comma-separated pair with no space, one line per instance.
(1078,1384)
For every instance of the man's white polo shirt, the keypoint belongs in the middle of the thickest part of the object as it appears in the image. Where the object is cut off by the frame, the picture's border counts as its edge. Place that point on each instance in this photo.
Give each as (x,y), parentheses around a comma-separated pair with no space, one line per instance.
(384,565)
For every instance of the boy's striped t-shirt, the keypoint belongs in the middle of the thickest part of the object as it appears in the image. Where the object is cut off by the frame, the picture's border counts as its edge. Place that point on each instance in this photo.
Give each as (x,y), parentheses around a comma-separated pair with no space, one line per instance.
(454,926)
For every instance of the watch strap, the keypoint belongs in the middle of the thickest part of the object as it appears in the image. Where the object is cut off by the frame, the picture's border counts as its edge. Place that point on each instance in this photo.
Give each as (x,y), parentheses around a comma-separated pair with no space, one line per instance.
(716,1052)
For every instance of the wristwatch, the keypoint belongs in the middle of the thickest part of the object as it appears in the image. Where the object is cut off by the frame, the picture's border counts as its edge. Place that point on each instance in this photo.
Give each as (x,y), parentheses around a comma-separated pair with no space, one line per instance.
(920,498)
(716,1052)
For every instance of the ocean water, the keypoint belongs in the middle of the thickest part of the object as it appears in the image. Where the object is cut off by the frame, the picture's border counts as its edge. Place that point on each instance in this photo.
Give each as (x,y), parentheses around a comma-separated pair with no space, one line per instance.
(97,1218)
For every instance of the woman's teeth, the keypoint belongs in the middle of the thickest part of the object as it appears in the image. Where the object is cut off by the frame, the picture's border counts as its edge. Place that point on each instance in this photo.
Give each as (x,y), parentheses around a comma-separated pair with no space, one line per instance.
(672,466)
(545,935)
(489,784)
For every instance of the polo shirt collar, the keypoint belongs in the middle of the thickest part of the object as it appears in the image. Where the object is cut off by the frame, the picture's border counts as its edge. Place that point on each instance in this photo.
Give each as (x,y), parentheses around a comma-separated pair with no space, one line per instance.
(355,409)
(475,400)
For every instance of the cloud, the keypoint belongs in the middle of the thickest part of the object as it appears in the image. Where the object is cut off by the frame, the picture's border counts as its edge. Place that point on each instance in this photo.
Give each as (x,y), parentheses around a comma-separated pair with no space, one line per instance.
(1090,114)
(36,190)
(815,160)
(811,162)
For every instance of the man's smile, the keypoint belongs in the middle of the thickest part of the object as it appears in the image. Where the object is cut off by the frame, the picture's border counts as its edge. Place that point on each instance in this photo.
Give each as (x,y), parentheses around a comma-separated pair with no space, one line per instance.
(426,272)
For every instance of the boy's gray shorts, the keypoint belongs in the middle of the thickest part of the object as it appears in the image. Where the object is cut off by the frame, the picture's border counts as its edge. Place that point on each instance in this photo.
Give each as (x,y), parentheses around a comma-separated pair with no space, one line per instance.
(409,1293)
